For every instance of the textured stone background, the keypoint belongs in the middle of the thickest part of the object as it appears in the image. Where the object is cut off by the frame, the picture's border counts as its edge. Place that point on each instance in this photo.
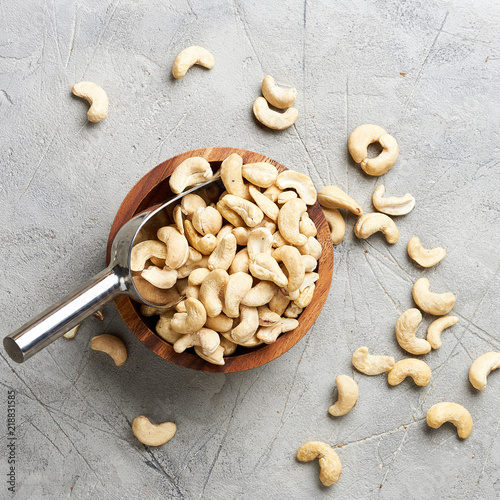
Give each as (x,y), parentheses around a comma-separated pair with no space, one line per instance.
(62,180)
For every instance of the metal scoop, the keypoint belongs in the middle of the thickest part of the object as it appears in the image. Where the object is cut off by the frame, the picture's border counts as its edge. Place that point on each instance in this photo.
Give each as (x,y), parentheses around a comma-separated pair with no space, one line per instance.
(115,280)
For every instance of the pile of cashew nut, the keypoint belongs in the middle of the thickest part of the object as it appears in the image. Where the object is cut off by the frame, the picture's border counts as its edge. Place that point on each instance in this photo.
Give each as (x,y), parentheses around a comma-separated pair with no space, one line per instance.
(239,265)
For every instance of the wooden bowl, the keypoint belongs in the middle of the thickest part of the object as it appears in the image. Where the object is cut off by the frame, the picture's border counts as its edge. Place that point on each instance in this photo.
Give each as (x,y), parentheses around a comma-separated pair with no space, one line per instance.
(153,188)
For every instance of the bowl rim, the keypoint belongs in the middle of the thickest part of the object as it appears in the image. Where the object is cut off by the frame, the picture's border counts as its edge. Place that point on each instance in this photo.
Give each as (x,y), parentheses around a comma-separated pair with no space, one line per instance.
(136,201)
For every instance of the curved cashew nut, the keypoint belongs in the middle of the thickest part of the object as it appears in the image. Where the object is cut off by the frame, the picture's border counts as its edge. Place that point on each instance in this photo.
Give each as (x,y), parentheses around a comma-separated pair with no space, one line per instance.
(292,260)
(417,369)
(229,214)
(192,320)
(248,211)
(240,262)
(273,119)
(250,343)
(189,57)
(160,278)
(207,220)
(260,174)
(241,235)
(225,230)
(440,413)
(191,265)
(178,217)
(267,317)
(432,303)
(265,267)
(211,290)
(144,250)
(369,364)
(481,368)
(259,241)
(177,246)
(163,328)
(208,340)
(112,346)
(216,358)
(393,205)
(305,297)
(220,323)
(285,196)
(312,247)
(278,240)
(260,294)
(231,175)
(267,206)
(334,197)
(422,256)
(228,345)
(406,329)
(307,226)
(289,221)
(348,393)
(190,172)
(238,285)
(436,329)
(336,223)
(279,302)
(293,311)
(197,276)
(248,325)
(310,263)
(223,255)
(96,97)
(204,244)
(190,203)
(277,96)
(151,434)
(329,462)
(269,334)
(301,183)
(369,224)
(367,134)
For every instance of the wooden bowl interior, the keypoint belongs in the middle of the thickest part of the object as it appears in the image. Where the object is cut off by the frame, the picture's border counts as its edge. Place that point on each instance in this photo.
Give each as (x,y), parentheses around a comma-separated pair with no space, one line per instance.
(152,189)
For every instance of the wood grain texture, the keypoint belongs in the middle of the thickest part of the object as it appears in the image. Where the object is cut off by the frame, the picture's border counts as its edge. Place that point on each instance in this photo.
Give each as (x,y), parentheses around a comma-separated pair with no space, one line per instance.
(153,189)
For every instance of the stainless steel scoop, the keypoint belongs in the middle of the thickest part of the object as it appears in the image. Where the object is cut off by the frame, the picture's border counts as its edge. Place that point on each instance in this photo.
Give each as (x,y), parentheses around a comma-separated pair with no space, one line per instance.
(115,280)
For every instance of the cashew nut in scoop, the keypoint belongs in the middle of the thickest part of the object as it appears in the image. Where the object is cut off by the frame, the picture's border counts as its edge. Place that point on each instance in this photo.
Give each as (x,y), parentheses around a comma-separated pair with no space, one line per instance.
(260,174)
(160,278)
(190,172)
(223,255)
(279,97)
(96,97)
(151,434)
(481,368)
(334,197)
(216,358)
(144,250)
(220,323)
(417,369)
(301,183)
(307,227)
(267,206)
(190,203)
(211,291)
(197,276)
(259,241)
(191,265)
(369,364)
(204,244)
(189,57)
(208,340)
(269,334)
(289,221)
(292,260)
(440,413)
(238,285)
(248,325)
(164,329)
(422,256)
(406,329)
(374,222)
(329,462)
(336,224)
(112,346)
(436,328)
(348,393)
(260,294)
(207,220)
(265,267)
(248,211)
(229,214)
(177,246)
(393,205)
(367,134)
(231,175)
(240,262)
(437,304)
(192,320)
(178,217)
(273,119)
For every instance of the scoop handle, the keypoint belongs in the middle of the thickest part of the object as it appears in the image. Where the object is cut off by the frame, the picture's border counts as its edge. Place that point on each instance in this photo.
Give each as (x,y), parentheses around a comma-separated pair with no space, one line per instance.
(66,314)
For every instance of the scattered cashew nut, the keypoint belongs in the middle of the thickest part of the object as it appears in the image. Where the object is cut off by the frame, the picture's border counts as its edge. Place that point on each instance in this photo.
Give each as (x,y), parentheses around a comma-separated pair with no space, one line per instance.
(437,304)
(112,346)
(370,364)
(422,256)
(189,57)
(334,197)
(96,97)
(440,413)
(481,368)
(152,434)
(369,224)
(436,328)
(336,223)
(273,119)
(393,205)
(406,329)
(417,369)
(348,393)
(277,96)
(329,462)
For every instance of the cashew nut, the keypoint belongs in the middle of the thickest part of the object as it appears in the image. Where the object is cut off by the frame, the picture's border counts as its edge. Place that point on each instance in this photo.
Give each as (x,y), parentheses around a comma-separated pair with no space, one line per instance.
(248,211)
(71,333)
(305,297)
(144,250)
(436,329)
(293,310)
(248,325)
(208,340)
(211,291)
(96,97)
(260,174)
(312,247)
(240,262)
(336,223)
(279,302)
(192,264)
(160,278)
(192,320)
(189,57)
(285,196)
(481,368)
(267,317)
(112,346)
(367,134)
(406,329)
(310,263)
(417,369)
(151,434)
(158,296)
(229,214)
(278,240)
(393,205)
(292,260)
(259,241)
(273,119)
(307,226)
(177,246)
(265,267)
(216,358)
(369,224)
(301,183)
(440,413)
(279,97)
(241,235)
(220,323)
(164,329)
(260,294)
(231,175)
(334,197)
(267,206)
(204,244)
(178,217)
(228,346)
(238,285)
(437,304)
(289,221)
(197,276)
(269,334)
(329,462)
(272,192)
(190,172)
(369,364)
(250,343)
(348,393)
(207,220)
(223,255)
(422,256)
(190,203)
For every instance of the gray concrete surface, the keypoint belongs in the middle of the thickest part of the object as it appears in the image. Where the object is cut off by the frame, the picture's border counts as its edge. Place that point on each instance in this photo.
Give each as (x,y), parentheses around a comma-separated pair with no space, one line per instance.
(426,71)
